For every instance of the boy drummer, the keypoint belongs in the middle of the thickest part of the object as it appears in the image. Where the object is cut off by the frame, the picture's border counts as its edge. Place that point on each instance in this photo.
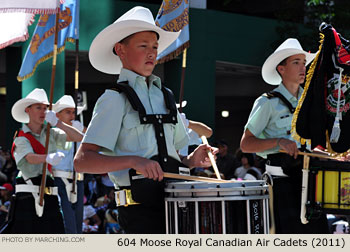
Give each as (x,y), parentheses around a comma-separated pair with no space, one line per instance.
(129,46)
(268,130)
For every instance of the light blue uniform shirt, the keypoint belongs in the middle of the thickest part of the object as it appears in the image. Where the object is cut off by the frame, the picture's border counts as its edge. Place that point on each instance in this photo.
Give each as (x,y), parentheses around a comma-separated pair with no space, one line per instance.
(271,118)
(66,163)
(57,141)
(194,139)
(116,128)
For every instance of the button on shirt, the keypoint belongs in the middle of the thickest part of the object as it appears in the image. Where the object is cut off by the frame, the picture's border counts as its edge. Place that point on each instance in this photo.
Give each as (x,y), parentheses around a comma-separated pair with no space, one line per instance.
(57,140)
(271,118)
(116,127)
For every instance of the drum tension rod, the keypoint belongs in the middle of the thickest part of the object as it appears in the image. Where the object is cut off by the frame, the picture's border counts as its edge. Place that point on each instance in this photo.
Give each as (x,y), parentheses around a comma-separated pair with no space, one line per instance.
(218,193)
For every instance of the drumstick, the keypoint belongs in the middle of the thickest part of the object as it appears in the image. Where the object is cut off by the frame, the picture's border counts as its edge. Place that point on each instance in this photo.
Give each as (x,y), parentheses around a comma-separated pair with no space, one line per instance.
(313,155)
(195,178)
(212,159)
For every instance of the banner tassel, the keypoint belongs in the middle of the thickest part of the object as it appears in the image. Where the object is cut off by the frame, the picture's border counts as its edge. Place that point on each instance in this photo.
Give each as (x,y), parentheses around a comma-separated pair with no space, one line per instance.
(336,126)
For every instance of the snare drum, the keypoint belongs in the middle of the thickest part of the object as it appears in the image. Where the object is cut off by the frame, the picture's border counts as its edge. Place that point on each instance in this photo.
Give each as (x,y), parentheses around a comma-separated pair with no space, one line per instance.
(217,208)
(329,187)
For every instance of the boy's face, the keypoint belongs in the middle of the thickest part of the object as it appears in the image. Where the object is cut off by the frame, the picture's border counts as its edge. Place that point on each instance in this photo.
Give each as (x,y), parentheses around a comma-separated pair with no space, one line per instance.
(294,70)
(66,115)
(36,113)
(139,52)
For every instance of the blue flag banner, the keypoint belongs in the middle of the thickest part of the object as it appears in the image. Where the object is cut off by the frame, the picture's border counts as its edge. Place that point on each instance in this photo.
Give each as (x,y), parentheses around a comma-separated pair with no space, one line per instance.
(174,16)
(42,43)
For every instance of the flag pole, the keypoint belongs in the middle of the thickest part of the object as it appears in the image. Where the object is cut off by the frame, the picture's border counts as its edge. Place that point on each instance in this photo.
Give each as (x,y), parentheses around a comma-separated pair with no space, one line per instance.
(182,78)
(76,88)
(43,179)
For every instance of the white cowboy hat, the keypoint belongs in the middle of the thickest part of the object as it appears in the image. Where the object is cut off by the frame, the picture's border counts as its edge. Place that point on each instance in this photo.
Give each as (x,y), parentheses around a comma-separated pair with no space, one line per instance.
(183,103)
(137,19)
(38,95)
(288,48)
(64,102)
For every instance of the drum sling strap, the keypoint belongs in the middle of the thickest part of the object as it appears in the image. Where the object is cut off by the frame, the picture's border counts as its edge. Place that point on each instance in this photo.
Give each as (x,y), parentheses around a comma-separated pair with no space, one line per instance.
(269,95)
(146,190)
(38,148)
(273,94)
(156,119)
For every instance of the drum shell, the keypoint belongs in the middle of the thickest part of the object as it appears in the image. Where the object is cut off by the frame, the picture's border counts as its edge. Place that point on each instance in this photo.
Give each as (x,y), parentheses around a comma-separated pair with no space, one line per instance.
(199,207)
(335,184)
(329,186)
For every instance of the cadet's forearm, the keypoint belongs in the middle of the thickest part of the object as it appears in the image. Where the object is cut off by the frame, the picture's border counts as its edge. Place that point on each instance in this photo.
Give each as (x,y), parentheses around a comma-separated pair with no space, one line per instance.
(73,134)
(200,128)
(92,162)
(33,158)
(252,144)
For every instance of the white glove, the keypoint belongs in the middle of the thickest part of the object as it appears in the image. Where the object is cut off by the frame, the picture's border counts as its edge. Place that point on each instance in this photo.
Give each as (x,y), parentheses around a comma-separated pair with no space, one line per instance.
(51,117)
(78,125)
(54,158)
(184,119)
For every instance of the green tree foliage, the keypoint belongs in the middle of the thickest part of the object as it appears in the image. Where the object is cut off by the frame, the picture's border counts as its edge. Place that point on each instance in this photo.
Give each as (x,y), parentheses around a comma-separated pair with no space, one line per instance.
(334,12)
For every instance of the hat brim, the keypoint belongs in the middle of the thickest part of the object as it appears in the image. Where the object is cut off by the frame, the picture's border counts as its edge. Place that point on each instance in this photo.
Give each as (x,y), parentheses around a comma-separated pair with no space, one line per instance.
(18,109)
(101,50)
(269,72)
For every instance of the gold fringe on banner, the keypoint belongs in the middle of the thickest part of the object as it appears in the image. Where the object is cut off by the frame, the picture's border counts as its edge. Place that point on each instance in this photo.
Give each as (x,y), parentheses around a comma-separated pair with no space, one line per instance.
(174,54)
(309,76)
(46,57)
(295,135)
(331,151)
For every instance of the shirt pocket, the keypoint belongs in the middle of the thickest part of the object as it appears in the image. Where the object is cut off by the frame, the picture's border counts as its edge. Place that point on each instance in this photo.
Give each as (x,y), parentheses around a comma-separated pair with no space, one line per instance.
(131,120)
(285,123)
(132,134)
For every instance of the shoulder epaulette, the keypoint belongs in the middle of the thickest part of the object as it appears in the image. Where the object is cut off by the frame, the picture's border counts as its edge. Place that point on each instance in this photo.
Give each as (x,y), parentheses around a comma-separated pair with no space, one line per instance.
(275,94)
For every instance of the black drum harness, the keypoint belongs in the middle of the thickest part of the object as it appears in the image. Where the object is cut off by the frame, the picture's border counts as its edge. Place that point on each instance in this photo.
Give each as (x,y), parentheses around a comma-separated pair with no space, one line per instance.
(156,119)
(144,190)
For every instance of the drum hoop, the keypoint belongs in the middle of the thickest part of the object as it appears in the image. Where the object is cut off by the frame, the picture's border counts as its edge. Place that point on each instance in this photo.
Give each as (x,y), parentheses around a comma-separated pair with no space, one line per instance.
(251,188)
(219,199)
(243,183)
